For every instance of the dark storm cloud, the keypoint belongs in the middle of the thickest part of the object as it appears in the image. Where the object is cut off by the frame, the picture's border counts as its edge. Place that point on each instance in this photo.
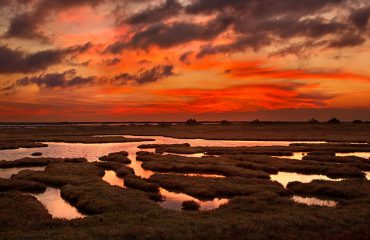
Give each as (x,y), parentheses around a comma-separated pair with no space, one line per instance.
(361,17)
(145,76)
(55,80)
(254,23)
(347,41)
(168,9)
(168,35)
(16,61)
(27,25)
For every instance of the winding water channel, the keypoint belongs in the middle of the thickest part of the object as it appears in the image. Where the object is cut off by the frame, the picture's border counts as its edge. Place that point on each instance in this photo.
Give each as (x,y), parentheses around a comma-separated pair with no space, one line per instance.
(60,209)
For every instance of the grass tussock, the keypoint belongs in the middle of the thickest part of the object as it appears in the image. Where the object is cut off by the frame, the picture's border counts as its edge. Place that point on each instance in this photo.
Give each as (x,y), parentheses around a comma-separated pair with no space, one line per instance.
(120,157)
(190,205)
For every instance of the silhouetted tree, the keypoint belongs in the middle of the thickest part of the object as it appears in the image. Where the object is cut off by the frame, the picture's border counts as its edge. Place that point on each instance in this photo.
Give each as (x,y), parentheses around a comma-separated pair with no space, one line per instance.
(312,120)
(191,122)
(225,122)
(164,124)
(357,121)
(334,121)
(255,121)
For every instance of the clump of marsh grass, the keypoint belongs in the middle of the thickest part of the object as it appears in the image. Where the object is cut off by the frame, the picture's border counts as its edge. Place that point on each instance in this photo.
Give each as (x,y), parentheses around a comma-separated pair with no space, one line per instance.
(190,205)
(120,157)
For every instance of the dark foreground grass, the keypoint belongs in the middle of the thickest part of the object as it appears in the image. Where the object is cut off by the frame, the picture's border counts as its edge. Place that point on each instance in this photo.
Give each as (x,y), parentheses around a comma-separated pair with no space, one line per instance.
(129,214)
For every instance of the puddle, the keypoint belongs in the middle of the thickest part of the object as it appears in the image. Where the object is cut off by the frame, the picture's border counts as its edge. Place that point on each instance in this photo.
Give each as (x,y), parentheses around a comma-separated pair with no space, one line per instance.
(8,172)
(198,155)
(286,177)
(296,156)
(56,205)
(357,154)
(111,178)
(311,201)
(175,200)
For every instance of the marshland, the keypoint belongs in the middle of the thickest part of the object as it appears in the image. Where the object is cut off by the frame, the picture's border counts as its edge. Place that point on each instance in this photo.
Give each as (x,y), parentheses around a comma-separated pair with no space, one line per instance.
(185,181)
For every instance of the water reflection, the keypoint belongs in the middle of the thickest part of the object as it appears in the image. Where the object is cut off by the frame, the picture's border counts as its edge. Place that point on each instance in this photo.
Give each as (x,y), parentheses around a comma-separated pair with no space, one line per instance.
(111,178)
(357,154)
(8,172)
(286,177)
(175,200)
(57,206)
(367,175)
(295,156)
(197,155)
(310,201)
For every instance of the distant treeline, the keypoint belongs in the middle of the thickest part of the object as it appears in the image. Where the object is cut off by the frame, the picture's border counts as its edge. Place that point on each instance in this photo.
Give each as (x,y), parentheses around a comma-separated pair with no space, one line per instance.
(189,122)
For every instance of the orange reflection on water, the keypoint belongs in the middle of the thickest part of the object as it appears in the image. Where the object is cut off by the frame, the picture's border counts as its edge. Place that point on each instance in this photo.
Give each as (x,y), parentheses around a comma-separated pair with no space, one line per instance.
(357,154)
(174,201)
(286,177)
(311,201)
(111,178)
(57,206)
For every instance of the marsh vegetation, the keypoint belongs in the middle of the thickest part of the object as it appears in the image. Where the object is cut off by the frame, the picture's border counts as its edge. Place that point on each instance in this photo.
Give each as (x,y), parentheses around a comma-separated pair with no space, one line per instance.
(128,191)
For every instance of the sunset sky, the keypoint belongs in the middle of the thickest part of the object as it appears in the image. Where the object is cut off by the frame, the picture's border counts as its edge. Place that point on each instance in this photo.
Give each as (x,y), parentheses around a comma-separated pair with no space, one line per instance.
(154,60)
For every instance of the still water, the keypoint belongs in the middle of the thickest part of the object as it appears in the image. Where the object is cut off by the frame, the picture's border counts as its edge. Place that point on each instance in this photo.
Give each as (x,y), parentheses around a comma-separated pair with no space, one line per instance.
(310,201)
(286,177)
(56,205)
(60,209)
